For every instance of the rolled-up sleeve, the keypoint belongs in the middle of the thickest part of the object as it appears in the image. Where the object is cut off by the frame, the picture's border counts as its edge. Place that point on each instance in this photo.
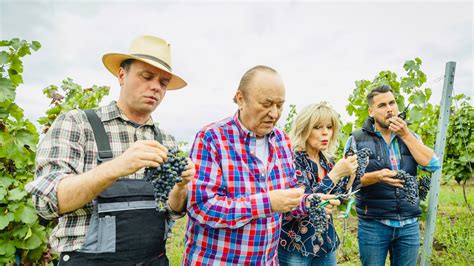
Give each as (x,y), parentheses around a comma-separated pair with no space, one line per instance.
(60,154)
(433,165)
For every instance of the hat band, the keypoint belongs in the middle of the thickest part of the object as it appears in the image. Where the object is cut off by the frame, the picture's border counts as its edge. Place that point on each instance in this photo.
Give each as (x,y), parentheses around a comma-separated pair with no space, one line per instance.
(154,59)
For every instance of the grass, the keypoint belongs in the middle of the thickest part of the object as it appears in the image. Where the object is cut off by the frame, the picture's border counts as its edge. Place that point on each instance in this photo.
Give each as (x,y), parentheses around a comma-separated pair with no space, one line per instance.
(453,242)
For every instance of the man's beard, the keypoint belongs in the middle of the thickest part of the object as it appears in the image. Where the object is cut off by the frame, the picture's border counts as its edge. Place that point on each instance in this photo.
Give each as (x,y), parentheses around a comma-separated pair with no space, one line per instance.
(381,123)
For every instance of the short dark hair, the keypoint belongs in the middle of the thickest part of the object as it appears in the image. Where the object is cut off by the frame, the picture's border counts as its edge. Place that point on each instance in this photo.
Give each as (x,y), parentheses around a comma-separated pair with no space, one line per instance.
(376,91)
(249,75)
(126,64)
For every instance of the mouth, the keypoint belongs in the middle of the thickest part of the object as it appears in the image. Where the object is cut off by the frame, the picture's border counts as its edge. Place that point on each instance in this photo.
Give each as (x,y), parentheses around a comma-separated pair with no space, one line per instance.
(324,142)
(152,98)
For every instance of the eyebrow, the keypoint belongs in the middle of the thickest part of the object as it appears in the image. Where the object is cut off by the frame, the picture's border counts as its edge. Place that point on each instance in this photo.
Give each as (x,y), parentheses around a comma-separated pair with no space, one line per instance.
(146,71)
(272,100)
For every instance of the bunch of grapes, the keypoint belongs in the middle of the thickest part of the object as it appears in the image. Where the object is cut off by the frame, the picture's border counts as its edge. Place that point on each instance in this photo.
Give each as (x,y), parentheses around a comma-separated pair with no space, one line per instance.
(362,160)
(410,186)
(424,186)
(164,177)
(317,215)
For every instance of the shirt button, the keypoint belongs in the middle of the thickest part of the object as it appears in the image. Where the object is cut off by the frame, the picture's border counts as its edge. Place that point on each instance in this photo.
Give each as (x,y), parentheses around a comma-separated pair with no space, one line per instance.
(66,258)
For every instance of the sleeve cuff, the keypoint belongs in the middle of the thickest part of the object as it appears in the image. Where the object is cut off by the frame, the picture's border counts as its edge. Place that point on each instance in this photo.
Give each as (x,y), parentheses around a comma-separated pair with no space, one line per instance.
(303,203)
(260,205)
(46,202)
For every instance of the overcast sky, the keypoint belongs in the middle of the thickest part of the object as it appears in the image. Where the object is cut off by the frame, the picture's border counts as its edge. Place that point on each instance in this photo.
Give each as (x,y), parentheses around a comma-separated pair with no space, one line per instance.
(319,48)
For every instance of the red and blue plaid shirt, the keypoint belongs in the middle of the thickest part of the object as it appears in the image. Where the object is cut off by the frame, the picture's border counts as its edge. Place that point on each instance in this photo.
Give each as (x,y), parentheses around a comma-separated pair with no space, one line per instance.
(230,216)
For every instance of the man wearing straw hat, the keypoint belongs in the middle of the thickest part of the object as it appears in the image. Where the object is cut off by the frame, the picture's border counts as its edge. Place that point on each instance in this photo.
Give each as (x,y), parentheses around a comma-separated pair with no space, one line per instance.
(90,168)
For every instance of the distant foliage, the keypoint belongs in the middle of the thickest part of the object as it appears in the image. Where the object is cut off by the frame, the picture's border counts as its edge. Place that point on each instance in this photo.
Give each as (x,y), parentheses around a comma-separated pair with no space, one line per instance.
(75,98)
(422,116)
(23,236)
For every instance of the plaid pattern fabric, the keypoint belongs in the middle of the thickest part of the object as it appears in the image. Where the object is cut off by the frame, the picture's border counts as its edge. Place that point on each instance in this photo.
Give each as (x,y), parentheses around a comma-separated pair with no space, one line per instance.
(230,217)
(393,150)
(68,149)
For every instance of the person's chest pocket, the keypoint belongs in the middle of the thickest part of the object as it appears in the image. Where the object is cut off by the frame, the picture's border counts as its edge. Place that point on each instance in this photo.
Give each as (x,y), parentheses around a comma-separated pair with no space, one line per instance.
(283,172)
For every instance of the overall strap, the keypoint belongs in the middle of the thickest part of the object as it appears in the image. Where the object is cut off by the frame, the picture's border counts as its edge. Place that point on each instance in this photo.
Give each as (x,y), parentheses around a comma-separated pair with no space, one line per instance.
(101,139)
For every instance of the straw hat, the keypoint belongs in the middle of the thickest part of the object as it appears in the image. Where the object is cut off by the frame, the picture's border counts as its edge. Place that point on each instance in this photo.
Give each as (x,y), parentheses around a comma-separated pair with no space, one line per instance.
(151,50)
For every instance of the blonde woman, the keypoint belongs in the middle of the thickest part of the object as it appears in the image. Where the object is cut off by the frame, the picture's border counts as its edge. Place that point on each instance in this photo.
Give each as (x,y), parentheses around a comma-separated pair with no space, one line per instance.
(314,137)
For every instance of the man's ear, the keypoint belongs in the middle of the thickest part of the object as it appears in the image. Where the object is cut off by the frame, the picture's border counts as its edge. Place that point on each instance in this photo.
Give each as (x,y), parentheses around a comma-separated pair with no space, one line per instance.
(371,112)
(239,99)
(121,75)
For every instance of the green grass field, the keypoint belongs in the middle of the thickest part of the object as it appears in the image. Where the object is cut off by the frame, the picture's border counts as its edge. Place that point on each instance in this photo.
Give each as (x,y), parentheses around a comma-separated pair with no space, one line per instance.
(454,235)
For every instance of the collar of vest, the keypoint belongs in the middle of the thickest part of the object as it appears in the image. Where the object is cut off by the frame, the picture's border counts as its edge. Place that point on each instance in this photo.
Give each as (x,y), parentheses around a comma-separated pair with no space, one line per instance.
(369,125)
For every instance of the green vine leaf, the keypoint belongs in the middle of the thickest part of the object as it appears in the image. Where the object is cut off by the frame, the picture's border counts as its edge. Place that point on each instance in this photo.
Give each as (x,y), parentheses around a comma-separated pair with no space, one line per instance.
(5,219)
(26,214)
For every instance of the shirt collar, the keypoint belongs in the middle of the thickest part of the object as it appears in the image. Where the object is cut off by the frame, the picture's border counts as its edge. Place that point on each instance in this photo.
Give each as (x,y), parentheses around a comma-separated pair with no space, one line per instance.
(247,133)
(325,164)
(392,134)
(112,111)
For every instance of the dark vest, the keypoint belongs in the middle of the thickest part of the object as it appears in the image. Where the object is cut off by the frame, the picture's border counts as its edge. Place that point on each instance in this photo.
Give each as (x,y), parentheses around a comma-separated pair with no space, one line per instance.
(380,200)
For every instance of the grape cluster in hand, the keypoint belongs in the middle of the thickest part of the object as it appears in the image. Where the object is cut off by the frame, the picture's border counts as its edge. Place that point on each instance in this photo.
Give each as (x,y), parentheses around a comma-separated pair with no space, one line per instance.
(317,215)
(410,186)
(164,177)
(362,160)
(424,186)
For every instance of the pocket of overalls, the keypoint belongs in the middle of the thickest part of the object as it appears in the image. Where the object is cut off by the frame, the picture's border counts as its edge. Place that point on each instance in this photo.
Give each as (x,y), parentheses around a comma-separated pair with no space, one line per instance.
(106,234)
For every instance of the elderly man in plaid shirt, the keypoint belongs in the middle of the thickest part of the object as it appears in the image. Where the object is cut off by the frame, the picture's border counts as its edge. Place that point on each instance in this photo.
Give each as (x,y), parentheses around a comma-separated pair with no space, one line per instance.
(244,179)
(106,210)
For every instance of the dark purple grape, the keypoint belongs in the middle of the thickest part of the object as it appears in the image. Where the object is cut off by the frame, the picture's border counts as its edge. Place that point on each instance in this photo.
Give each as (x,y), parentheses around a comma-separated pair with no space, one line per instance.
(424,186)
(164,177)
(317,216)
(410,187)
(362,160)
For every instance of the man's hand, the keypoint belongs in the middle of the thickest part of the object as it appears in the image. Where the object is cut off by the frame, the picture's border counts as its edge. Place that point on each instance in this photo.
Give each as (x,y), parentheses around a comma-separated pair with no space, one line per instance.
(187,174)
(284,200)
(399,126)
(386,176)
(142,153)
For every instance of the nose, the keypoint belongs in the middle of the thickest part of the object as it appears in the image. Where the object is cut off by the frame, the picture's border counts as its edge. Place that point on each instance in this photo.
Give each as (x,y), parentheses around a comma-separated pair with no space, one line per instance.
(389,108)
(158,86)
(324,130)
(273,113)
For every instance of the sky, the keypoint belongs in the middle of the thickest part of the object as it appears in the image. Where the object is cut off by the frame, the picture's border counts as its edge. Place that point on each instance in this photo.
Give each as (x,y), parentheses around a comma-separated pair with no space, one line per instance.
(319,48)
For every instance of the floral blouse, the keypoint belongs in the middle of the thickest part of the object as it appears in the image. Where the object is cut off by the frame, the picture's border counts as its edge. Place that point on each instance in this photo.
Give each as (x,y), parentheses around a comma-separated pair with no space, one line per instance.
(298,234)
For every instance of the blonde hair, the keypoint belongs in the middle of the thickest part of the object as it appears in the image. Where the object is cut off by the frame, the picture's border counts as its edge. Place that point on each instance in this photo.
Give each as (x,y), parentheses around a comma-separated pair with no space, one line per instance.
(313,115)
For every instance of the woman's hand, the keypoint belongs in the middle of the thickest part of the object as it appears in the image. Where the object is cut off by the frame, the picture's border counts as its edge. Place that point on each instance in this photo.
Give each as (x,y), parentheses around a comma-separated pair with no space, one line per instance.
(344,167)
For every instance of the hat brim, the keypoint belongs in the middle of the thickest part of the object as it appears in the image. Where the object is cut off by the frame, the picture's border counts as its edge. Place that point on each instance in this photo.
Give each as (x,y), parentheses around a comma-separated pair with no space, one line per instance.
(112,62)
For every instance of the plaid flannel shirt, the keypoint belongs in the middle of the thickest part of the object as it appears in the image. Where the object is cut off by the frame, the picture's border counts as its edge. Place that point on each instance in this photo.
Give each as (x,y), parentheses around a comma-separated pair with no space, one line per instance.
(69,148)
(230,216)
